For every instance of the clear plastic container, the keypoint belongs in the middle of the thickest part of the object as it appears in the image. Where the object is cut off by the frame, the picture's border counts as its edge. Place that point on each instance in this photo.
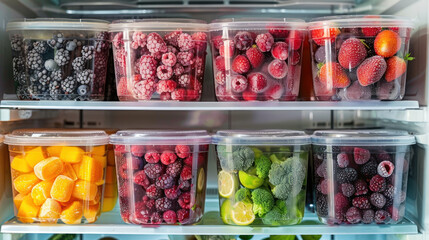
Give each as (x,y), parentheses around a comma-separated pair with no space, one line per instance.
(161,175)
(57,174)
(159,59)
(360,57)
(59,59)
(110,196)
(262,176)
(361,175)
(257,59)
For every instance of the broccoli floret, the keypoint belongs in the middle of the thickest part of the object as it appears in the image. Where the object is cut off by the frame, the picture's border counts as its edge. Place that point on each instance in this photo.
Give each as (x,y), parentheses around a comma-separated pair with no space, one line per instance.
(263,201)
(287,177)
(242,194)
(283,152)
(273,217)
(257,152)
(235,158)
(263,166)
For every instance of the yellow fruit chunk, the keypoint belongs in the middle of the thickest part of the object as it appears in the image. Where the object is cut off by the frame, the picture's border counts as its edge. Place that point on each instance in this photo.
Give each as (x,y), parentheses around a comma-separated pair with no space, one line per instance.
(17,200)
(41,192)
(25,182)
(34,156)
(90,170)
(49,168)
(73,213)
(99,150)
(54,151)
(111,158)
(97,198)
(69,171)
(19,164)
(28,210)
(110,190)
(50,211)
(62,188)
(84,190)
(108,204)
(91,212)
(101,159)
(71,154)
(110,174)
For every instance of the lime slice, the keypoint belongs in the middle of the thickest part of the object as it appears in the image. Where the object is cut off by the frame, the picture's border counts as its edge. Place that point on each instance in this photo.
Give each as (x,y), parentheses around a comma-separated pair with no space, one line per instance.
(250,181)
(227,183)
(201,180)
(225,212)
(242,213)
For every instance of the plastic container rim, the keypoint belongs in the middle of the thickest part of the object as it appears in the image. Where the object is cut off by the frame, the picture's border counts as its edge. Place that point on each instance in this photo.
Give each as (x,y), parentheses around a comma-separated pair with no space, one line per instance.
(257,23)
(159,24)
(58,24)
(148,137)
(261,137)
(351,21)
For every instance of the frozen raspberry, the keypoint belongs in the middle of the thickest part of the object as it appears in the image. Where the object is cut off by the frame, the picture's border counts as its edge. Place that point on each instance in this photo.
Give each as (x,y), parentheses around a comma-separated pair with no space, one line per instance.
(164,181)
(178,69)
(277,69)
(170,217)
(118,40)
(294,58)
(239,83)
(377,184)
(147,67)
(240,64)
(322,170)
(157,56)
(153,170)
(199,67)
(168,59)
(341,202)
(143,90)
(184,80)
(155,43)
(120,149)
(185,42)
(179,94)
(188,161)
(325,186)
(217,41)
(183,216)
(166,86)
(220,63)
(165,96)
(172,193)
(171,38)
(381,216)
(227,49)
(396,213)
(343,160)
(361,187)
(347,189)
(264,41)
(223,95)
(280,50)
(278,32)
(220,78)
(200,41)
(152,156)
(371,31)
(192,95)
(243,40)
(168,157)
(369,169)
(163,204)
(129,166)
(340,215)
(182,151)
(294,39)
(185,58)
(185,200)
(148,203)
(274,92)
(346,175)
(155,218)
(186,173)
(353,215)
(172,49)
(137,150)
(378,200)
(361,155)
(249,96)
(385,168)
(196,85)
(361,202)
(139,40)
(140,215)
(383,156)
(141,179)
(256,57)
(153,192)
(258,83)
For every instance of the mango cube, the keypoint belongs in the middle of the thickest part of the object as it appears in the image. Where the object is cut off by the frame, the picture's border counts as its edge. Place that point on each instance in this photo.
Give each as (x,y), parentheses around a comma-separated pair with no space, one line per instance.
(34,156)
(54,151)
(50,211)
(101,159)
(111,158)
(90,170)
(25,182)
(110,174)
(84,190)
(49,168)
(19,164)
(110,190)
(17,200)
(69,171)
(73,213)
(62,188)
(96,199)
(41,192)
(71,154)
(108,204)
(91,212)
(28,210)
(98,150)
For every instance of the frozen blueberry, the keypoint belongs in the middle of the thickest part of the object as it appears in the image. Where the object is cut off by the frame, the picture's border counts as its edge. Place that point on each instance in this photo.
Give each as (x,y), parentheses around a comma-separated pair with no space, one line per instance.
(83,90)
(51,65)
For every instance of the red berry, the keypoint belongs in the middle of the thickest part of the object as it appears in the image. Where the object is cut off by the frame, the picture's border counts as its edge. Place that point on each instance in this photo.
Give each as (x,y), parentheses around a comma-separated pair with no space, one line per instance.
(153,192)
(352,53)
(353,215)
(387,43)
(371,31)
(164,72)
(377,184)
(264,41)
(280,50)
(256,57)
(240,64)
(168,157)
(188,161)
(155,43)
(274,92)
(183,216)
(277,69)
(185,200)
(220,78)
(217,41)
(147,67)
(343,160)
(381,216)
(139,40)
(153,170)
(220,63)
(361,187)
(186,173)
(243,40)
(319,36)
(118,40)
(163,204)
(294,39)
(200,41)
(141,179)
(361,202)
(239,83)
(174,169)
(164,181)
(258,83)
(294,58)
(325,186)
(171,38)
(278,32)
(185,42)
(178,94)
(341,202)
(249,96)
(332,75)
(396,67)
(143,90)
(152,156)
(166,86)
(169,59)
(182,151)
(185,58)
(227,49)
(170,217)
(122,88)
(120,149)
(385,168)
(172,193)
(361,155)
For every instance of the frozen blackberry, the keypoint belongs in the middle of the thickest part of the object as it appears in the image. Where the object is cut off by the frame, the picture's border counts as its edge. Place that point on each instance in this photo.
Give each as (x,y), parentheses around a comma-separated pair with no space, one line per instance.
(68,85)
(16,43)
(34,60)
(369,169)
(22,92)
(85,77)
(368,216)
(54,90)
(163,204)
(51,65)
(78,64)
(378,200)
(57,41)
(381,216)
(57,75)
(322,206)
(20,77)
(83,90)
(38,91)
(40,46)
(41,77)
(87,52)
(164,181)
(18,63)
(62,57)
(346,175)
(389,192)
(174,169)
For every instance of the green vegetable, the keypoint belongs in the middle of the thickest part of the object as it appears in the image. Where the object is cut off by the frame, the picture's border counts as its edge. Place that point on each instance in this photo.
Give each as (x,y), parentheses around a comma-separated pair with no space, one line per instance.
(311,237)
(263,201)
(242,194)
(283,152)
(245,237)
(263,166)
(62,237)
(235,158)
(286,176)
(283,237)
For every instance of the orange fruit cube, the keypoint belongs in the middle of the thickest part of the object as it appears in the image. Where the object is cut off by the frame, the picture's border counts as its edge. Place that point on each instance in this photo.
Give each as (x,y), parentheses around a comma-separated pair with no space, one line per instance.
(17,200)
(71,154)
(97,197)
(84,190)
(54,151)
(69,171)
(72,214)
(49,168)
(50,211)
(101,159)
(90,170)
(41,192)
(98,150)
(34,156)
(28,210)
(62,188)
(91,212)
(19,164)
(25,182)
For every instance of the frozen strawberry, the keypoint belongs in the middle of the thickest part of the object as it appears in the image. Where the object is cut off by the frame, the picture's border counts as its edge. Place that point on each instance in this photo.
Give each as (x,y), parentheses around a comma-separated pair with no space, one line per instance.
(352,53)
(238,83)
(278,32)
(240,64)
(249,96)
(319,36)
(396,67)
(243,40)
(371,31)
(256,57)
(387,43)
(371,70)
(258,83)
(274,92)
(220,63)
(227,49)
(264,41)
(217,41)
(277,69)
(332,75)
(294,39)
(280,50)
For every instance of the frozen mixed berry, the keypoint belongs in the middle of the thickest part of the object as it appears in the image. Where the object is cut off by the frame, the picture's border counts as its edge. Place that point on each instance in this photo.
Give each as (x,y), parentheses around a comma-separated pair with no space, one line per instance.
(179,94)
(139,40)
(243,40)
(178,69)
(185,200)
(137,150)
(378,200)
(220,63)
(390,191)
(153,170)
(184,80)
(152,156)
(322,206)
(240,64)
(164,181)
(185,58)
(183,215)
(343,160)
(277,69)
(168,157)
(85,77)
(172,193)
(361,202)
(341,201)
(381,216)
(170,217)
(155,218)
(377,184)
(144,89)
(184,185)
(239,83)
(258,82)
(155,43)
(348,189)
(325,186)
(153,192)
(361,155)
(346,175)
(34,60)
(264,41)
(62,57)
(182,151)
(280,50)
(141,179)
(163,204)
(322,170)
(274,92)
(385,168)
(361,187)
(188,161)
(353,215)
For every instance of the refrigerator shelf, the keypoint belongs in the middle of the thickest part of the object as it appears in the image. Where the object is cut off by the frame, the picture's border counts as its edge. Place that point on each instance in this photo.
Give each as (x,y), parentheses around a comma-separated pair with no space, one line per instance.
(210,106)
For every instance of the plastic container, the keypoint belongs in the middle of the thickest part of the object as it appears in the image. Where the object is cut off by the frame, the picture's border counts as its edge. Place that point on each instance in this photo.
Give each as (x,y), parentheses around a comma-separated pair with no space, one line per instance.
(262,176)
(257,59)
(59,59)
(57,174)
(161,175)
(361,175)
(111,187)
(159,59)
(360,57)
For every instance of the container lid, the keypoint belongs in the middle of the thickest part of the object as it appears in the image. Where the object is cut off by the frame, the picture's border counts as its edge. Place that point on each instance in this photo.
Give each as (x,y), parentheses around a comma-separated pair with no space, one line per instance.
(351,21)
(57,24)
(362,137)
(160,137)
(257,23)
(57,137)
(162,24)
(261,137)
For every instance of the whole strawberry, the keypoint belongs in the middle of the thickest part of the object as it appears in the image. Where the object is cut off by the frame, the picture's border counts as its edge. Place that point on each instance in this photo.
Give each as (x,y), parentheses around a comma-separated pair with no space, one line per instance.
(255,56)
(240,64)
(396,67)
(332,74)
(352,53)
(387,43)
(371,70)
(320,35)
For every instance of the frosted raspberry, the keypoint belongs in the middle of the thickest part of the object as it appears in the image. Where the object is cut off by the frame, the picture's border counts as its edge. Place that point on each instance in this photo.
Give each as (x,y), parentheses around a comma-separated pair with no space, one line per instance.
(196,85)
(185,200)
(171,38)
(157,56)
(172,49)
(294,58)
(143,90)
(153,192)
(217,41)
(178,94)
(185,42)
(120,149)
(141,179)
(152,156)
(166,86)
(377,184)
(249,95)
(164,72)
(257,82)
(188,161)
(178,69)
(199,66)
(220,78)
(170,217)
(223,95)
(168,157)
(264,42)
(192,95)
(294,39)
(183,215)
(227,49)
(139,40)
(165,96)
(137,150)
(239,83)
(155,43)
(278,33)
(385,168)
(280,50)
(182,151)
(155,218)
(343,160)
(200,41)
(220,63)
(186,173)
(185,58)
(184,80)
(118,40)
(243,40)
(168,59)
(148,203)
(147,67)
(172,193)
